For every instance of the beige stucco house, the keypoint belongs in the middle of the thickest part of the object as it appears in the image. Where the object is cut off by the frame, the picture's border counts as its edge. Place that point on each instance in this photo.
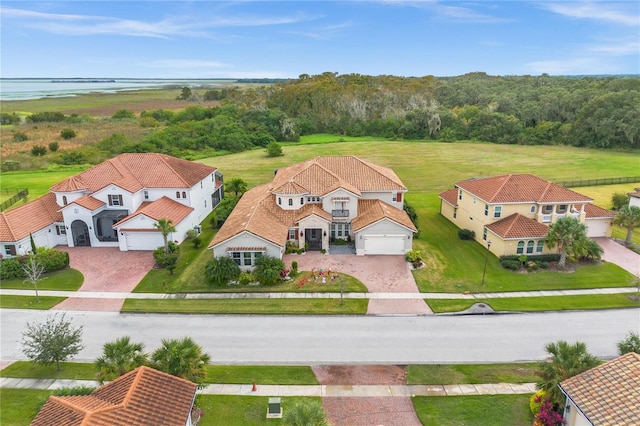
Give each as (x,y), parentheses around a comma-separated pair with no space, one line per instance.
(607,395)
(308,204)
(514,211)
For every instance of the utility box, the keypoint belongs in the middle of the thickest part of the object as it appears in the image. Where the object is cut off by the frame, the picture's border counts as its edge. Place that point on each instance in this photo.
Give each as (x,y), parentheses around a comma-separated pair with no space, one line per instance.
(274,411)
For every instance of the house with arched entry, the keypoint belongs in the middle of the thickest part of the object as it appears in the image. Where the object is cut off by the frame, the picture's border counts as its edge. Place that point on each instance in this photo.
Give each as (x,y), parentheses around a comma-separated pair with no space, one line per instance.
(116,204)
(312,203)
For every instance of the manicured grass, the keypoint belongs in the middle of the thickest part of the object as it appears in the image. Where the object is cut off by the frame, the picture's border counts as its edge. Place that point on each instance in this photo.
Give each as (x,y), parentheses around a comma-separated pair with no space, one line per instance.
(231,410)
(64,280)
(531,304)
(29,302)
(68,370)
(38,182)
(489,410)
(449,374)
(18,407)
(262,375)
(315,306)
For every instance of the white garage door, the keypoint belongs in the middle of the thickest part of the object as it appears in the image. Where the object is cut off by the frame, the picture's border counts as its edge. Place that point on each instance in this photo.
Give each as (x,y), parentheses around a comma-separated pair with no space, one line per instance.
(384,244)
(143,240)
(597,227)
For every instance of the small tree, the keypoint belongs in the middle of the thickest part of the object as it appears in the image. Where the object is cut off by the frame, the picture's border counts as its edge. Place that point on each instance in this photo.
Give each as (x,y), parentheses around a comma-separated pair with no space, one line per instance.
(619,200)
(566,233)
(166,227)
(33,269)
(53,146)
(20,137)
(185,94)
(119,357)
(274,150)
(67,133)
(631,343)
(52,342)
(221,270)
(628,217)
(268,269)
(305,414)
(237,186)
(123,114)
(182,358)
(38,150)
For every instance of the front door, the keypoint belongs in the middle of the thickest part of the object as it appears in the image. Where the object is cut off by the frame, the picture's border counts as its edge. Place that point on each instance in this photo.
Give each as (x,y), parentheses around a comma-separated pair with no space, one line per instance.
(313,237)
(80,233)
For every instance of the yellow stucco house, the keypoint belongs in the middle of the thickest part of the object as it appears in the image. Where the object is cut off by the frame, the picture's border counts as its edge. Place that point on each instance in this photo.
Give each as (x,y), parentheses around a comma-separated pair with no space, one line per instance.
(513,212)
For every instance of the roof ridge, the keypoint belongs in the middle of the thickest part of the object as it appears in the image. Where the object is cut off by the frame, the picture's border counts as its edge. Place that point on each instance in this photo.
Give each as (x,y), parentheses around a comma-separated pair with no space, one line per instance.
(164,160)
(506,181)
(4,217)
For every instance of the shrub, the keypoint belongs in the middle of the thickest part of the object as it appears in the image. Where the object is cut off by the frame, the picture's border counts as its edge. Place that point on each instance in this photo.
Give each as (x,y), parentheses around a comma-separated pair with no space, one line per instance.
(547,416)
(10,165)
(76,390)
(294,267)
(38,150)
(9,118)
(221,270)
(512,265)
(147,122)
(191,234)
(274,150)
(52,259)
(553,257)
(123,114)
(165,260)
(53,146)
(291,247)
(72,157)
(10,268)
(466,234)
(631,343)
(414,257)
(20,137)
(536,400)
(246,278)
(40,117)
(67,133)
(619,200)
(196,241)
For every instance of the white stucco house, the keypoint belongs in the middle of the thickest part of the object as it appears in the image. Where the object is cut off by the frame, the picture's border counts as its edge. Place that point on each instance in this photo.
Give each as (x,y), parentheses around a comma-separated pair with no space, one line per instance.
(308,204)
(115,204)
(634,198)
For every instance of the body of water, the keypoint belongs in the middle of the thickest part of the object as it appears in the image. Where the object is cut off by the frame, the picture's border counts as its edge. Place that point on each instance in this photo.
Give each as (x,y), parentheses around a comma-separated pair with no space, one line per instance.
(37,88)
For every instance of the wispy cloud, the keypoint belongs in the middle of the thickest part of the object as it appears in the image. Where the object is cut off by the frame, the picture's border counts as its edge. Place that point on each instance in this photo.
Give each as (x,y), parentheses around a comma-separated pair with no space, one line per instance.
(449,12)
(618,48)
(325,33)
(622,13)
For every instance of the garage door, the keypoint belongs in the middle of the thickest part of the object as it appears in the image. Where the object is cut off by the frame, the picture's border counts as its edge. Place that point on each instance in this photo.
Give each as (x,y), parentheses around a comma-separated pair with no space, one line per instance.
(143,240)
(598,227)
(384,244)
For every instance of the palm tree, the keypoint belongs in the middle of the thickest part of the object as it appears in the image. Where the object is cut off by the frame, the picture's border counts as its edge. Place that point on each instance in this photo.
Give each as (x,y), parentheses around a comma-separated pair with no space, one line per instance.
(182,358)
(268,269)
(566,361)
(237,186)
(119,357)
(166,227)
(305,414)
(565,233)
(221,270)
(628,217)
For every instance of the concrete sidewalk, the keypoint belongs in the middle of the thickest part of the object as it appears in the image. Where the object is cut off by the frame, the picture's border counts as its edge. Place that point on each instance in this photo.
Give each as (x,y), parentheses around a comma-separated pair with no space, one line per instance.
(309,390)
(294,295)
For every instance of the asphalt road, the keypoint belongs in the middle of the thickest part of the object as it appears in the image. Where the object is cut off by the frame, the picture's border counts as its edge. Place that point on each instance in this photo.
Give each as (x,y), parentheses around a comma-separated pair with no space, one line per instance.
(310,340)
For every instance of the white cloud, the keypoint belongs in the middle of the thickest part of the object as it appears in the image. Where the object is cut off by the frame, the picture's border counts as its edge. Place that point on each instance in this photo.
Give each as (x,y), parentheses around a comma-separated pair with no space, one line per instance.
(446,11)
(573,66)
(618,49)
(622,13)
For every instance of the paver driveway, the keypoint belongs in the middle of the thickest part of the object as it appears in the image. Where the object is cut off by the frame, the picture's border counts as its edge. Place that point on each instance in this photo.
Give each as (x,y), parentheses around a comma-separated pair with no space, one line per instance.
(105,269)
(381,274)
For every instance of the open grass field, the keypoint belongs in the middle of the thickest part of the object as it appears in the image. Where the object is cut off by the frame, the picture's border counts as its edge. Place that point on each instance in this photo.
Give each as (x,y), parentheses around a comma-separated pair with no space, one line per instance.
(38,182)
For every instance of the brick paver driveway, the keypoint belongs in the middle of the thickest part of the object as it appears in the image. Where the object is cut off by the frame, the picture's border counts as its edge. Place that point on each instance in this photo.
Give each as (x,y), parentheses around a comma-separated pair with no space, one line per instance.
(105,269)
(381,274)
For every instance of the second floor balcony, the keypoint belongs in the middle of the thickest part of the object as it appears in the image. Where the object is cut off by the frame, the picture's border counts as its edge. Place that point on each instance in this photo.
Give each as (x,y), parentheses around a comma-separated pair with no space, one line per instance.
(338,215)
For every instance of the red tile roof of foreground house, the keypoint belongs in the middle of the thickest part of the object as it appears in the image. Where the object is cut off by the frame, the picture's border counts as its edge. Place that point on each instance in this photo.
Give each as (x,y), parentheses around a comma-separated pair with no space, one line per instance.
(163,208)
(141,397)
(520,188)
(518,226)
(372,211)
(608,395)
(132,172)
(28,218)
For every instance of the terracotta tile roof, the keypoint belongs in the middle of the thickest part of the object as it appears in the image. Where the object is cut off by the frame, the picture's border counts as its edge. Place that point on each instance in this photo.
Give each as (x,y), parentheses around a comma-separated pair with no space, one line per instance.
(634,194)
(450,196)
(520,188)
(88,202)
(593,211)
(133,172)
(322,175)
(253,214)
(371,211)
(28,218)
(608,395)
(311,209)
(518,226)
(163,208)
(141,397)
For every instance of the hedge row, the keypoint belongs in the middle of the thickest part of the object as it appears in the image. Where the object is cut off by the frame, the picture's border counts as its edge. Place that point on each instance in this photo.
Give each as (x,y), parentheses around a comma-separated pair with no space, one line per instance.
(52,260)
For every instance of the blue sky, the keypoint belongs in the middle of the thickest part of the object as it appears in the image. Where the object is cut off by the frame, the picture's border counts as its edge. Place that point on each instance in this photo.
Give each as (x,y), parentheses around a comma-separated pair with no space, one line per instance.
(254,39)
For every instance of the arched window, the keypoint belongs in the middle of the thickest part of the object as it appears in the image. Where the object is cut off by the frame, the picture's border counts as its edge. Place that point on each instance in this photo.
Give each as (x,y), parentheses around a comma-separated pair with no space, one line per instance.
(64,200)
(540,246)
(520,248)
(530,245)
(184,194)
(177,194)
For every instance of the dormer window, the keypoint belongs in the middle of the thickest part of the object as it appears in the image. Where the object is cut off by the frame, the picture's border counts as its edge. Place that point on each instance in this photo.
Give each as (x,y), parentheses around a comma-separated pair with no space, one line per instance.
(64,200)
(177,194)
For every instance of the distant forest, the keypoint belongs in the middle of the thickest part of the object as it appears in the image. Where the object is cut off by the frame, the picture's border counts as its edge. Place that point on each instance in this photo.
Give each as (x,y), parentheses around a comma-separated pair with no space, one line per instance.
(597,112)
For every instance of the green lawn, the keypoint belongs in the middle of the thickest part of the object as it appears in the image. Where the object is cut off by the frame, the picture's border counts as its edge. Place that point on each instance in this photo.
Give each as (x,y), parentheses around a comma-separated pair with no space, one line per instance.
(68,370)
(314,306)
(18,407)
(260,374)
(29,302)
(38,182)
(489,410)
(531,304)
(449,374)
(64,280)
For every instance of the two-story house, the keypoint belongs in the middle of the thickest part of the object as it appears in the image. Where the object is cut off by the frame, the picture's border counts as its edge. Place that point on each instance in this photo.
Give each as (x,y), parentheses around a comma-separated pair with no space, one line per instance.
(341,197)
(514,211)
(116,204)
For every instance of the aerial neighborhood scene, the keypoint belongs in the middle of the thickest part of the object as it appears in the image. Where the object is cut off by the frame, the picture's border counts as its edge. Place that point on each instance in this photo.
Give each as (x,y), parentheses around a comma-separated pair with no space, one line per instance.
(320,213)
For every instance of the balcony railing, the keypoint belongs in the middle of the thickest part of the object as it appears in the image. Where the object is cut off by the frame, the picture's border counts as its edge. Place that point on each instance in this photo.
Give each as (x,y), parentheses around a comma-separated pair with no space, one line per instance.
(340,214)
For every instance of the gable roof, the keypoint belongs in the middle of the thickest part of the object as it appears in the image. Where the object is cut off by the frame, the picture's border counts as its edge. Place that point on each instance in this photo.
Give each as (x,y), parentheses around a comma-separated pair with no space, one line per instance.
(162,208)
(28,218)
(372,211)
(592,212)
(518,226)
(608,394)
(520,188)
(88,202)
(143,396)
(132,172)
(450,196)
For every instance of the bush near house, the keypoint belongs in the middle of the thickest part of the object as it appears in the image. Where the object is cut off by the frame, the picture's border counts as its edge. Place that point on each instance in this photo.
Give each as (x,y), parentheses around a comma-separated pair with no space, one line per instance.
(466,234)
(51,258)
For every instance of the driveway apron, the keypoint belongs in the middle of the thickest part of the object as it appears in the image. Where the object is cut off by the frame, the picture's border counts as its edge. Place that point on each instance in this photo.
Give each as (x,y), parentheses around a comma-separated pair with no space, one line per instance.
(620,255)
(380,274)
(105,269)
